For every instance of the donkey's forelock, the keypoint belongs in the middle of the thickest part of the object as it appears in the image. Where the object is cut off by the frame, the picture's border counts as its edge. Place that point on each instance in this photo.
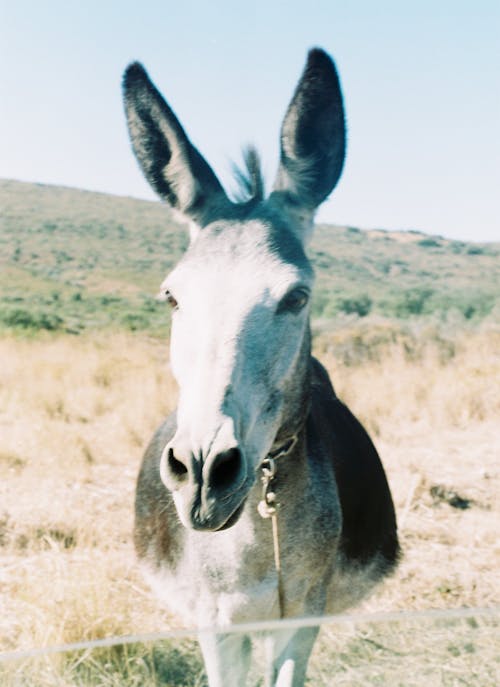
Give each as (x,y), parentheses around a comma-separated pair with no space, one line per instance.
(249,178)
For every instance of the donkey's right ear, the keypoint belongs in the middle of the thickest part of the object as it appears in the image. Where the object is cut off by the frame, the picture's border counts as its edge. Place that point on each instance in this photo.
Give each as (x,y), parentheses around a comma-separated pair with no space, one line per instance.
(172,165)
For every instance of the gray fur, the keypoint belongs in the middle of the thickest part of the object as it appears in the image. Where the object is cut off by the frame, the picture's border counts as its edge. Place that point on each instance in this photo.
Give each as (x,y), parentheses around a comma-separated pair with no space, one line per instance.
(240,351)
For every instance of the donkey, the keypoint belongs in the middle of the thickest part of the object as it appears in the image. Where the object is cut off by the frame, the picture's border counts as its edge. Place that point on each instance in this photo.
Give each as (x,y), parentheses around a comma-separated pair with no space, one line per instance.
(253,402)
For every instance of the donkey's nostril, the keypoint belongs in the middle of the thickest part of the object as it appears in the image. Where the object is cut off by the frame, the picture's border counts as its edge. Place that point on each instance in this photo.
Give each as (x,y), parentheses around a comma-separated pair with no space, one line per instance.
(176,467)
(225,469)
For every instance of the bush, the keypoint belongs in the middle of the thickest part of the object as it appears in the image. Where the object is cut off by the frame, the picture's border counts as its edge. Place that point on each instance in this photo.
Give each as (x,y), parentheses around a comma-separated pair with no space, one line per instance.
(476,250)
(413,302)
(320,300)
(429,243)
(35,321)
(135,321)
(110,299)
(360,305)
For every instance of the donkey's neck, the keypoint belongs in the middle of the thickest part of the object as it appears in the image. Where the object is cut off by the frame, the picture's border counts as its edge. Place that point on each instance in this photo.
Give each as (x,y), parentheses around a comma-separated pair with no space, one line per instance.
(297,395)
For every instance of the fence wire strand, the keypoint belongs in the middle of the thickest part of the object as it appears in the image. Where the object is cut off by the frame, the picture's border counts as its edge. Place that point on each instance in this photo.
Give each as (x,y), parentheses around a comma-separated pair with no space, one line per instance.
(263,626)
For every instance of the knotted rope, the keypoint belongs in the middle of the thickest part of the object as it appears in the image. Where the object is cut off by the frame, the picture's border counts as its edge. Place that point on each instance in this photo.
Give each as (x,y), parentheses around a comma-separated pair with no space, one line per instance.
(268,507)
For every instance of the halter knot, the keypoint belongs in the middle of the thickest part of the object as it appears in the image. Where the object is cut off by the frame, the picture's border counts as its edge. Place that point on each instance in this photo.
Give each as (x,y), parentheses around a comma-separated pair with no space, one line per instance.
(267,505)
(282,450)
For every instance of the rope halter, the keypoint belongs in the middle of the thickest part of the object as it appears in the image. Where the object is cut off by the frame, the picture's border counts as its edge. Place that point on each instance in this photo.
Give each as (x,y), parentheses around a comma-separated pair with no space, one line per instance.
(268,506)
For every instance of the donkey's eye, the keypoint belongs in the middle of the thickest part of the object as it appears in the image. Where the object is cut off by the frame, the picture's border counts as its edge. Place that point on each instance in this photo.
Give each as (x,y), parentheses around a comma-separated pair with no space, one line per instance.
(170,300)
(294,301)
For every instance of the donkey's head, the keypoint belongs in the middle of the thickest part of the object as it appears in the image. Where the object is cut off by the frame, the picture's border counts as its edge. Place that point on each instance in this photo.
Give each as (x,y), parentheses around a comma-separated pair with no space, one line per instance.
(240,344)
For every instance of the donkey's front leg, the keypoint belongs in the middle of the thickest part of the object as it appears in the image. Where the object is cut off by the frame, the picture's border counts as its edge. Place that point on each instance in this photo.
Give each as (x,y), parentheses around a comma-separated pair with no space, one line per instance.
(227,658)
(288,652)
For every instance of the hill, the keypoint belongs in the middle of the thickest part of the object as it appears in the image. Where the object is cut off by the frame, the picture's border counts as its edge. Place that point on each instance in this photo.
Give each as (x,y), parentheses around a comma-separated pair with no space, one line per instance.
(74,260)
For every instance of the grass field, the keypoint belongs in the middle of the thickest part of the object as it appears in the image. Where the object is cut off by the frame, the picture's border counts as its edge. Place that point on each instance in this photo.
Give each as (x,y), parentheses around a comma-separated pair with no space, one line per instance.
(407,325)
(74,261)
(75,413)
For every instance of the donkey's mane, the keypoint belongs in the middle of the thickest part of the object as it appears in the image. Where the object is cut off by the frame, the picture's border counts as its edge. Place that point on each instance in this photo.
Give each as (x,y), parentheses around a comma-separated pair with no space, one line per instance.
(248,177)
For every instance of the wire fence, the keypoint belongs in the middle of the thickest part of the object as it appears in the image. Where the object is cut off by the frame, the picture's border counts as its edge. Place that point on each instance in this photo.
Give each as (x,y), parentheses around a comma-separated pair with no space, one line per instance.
(492,613)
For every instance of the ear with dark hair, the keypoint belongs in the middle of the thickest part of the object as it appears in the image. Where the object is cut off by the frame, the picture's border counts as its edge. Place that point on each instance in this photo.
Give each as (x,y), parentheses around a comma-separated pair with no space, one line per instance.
(312,138)
(171,164)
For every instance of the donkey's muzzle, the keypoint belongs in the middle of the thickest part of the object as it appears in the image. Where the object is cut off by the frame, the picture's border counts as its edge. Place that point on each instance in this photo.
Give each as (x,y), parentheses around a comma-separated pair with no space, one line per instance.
(208,494)
(219,474)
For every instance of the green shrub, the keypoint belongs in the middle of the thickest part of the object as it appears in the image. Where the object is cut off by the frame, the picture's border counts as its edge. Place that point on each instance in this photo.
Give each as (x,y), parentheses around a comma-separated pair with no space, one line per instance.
(413,302)
(320,301)
(360,305)
(476,250)
(429,243)
(19,318)
(109,299)
(135,321)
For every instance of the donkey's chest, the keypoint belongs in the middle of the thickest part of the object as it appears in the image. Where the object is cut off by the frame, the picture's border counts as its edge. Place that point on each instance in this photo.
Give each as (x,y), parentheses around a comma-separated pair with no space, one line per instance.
(230,577)
(217,579)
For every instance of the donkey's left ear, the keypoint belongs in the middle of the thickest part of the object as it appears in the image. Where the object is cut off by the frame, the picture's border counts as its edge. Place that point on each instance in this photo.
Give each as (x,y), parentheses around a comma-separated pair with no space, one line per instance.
(312,139)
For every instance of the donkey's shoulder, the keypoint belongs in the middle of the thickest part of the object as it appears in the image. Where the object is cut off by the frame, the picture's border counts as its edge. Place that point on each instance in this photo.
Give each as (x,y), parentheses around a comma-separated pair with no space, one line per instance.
(369,523)
(155,515)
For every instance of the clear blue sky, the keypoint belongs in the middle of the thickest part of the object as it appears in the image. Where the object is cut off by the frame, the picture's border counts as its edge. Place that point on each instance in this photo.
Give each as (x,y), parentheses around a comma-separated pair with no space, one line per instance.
(420,80)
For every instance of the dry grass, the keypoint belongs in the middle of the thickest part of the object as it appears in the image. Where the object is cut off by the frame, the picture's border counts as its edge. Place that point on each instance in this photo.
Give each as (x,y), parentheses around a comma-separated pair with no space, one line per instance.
(434,419)
(75,413)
